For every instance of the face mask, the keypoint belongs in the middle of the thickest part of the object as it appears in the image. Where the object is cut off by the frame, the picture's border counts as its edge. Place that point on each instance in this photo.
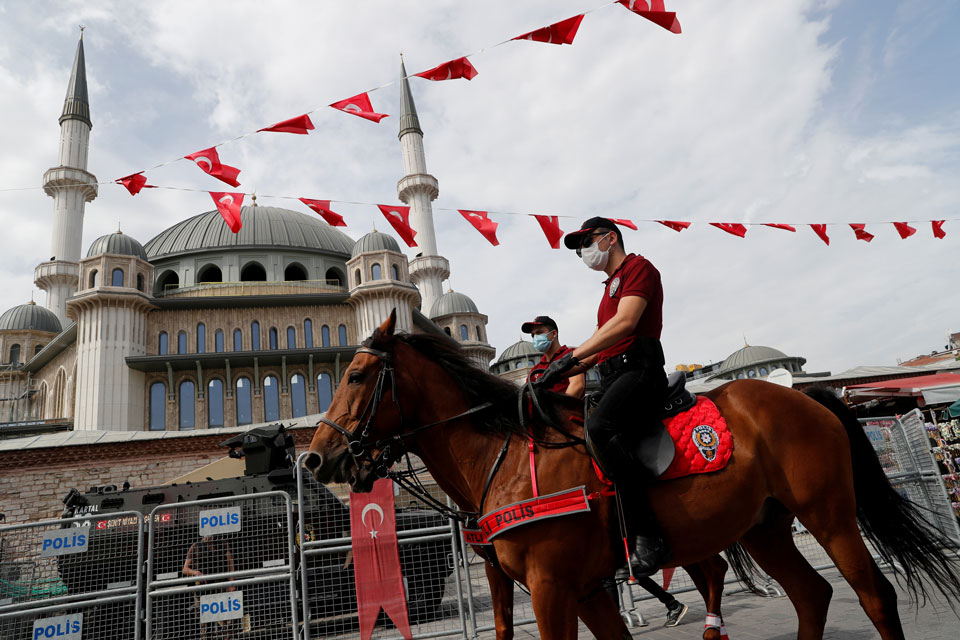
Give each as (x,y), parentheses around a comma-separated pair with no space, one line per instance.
(593,257)
(541,342)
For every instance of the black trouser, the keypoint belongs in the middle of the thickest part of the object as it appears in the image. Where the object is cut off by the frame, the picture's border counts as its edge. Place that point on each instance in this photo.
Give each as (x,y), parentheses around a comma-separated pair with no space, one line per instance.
(647,583)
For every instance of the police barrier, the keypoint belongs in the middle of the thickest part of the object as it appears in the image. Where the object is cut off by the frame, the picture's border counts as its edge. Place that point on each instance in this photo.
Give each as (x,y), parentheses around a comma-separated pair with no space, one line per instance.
(222,568)
(61,577)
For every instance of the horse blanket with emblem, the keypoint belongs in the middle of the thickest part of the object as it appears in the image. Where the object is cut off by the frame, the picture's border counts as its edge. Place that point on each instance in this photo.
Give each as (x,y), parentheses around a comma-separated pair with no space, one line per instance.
(702,440)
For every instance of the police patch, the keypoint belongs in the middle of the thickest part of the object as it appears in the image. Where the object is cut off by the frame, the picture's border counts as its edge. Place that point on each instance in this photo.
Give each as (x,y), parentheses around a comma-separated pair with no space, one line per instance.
(614,285)
(706,441)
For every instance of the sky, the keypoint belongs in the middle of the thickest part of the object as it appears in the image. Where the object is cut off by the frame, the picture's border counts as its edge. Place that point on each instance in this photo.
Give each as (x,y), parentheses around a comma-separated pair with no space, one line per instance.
(822,111)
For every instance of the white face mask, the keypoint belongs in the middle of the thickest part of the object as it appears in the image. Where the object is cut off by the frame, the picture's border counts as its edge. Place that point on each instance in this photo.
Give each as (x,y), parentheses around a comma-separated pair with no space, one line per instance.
(594,257)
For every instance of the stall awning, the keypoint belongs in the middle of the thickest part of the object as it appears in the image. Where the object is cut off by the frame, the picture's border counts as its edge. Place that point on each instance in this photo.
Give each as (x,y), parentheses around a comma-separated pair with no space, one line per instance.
(936,389)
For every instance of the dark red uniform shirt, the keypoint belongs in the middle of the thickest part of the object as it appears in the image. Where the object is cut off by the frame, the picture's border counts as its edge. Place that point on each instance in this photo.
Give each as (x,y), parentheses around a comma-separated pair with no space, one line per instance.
(635,277)
(540,367)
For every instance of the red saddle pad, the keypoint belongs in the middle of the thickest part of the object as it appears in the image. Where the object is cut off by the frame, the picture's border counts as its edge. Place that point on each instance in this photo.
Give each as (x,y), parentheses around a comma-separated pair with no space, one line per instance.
(703,441)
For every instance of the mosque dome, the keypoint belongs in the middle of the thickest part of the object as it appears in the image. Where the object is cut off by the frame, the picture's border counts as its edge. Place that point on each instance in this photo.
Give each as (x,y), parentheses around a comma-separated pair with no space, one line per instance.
(117,243)
(375,241)
(521,349)
(452,302)
(263,227)
(29,317)
(754,361)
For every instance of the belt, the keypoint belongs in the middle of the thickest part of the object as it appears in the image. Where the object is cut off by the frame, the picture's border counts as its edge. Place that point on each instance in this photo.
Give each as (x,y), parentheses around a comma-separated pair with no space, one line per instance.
(647,352)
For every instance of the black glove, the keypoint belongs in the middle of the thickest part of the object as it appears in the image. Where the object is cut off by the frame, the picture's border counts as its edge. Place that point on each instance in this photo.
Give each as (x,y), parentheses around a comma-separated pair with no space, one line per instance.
(555,372)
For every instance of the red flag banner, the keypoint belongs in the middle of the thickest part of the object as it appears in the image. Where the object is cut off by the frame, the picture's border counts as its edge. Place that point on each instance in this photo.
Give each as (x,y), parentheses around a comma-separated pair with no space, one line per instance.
(459,68)
(209,161)
(399,219)
(376,561)
(860,231)
(654,11)
(298,125)
(733,228)
(626,223)
(904,230)
(785,227)
(483,224)
(676,225)
(938,231)
(323,208)
(562,32)
(133,183)
(228,204)
(667,578)
(821,231)
(360,105)
(551,229)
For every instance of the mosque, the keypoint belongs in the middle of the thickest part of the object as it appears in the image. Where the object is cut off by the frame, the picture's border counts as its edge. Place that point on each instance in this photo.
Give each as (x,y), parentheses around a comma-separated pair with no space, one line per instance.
(203,328)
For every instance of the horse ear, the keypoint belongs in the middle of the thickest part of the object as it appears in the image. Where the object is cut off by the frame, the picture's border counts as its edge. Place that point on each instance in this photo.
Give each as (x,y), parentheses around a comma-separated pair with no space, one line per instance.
(386,329)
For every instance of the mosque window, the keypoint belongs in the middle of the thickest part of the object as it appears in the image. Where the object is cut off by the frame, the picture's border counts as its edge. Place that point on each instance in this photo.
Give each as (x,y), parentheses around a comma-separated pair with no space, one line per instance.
(334,277)
(324,391)
(396,272)
(464,334)
(37,349)
(447,330)
(294,272)
(342,335)
(324,336)
(244,402)
(93,278)
(740,376)
(298,395)
(253,272)
(752,373)
(187,401)
(182,342)
(237,340)
(218,341)
(201,338)
(210,273)
(271,398)
(139,282)
(255,336)
(375,272)
(168,281)
(14,354)
(215,403)
(479,334)
(274,338)
(291,338)
(308,333)
(356,276)
(763,371)
(158,407)
(519,364)
(162,344)
(116,278)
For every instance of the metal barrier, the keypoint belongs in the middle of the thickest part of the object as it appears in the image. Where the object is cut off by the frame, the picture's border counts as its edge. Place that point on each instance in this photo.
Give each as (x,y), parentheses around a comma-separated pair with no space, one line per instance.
(220,567)
(66,577)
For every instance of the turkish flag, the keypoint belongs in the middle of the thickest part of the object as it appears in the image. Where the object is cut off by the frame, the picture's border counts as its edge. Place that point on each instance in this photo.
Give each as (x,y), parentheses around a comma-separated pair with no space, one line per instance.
(399,219)
(360,105)
(483,224)
(653,11)
(459,68)
(551,229)
(133,182)
(676,225)
(562,32)
(821,231)
(904,230)
(323,208)
(626,223)
(667,577)
(733,228)
(228,204)
(777,225)
(938,231)
(209,161)
(376,561)
(861,232)
(298,125)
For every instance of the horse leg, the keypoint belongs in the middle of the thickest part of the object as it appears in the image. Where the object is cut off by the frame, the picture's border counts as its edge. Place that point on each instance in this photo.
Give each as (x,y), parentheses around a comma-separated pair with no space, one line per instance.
(555,607)
(771,546)
(708,577)
(501,594)
(601,615)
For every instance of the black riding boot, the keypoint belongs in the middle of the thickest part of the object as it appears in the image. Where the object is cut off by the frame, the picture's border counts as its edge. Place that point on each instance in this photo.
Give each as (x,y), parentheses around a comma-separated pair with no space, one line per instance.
(650,549)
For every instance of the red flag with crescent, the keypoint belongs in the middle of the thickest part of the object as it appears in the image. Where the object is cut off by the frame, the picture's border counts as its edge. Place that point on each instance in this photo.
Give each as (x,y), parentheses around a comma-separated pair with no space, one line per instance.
(562,32)
(399,219)
(821,231)
(938,231)
(733,228)
(323,208)
(360,105)
(209,162)
(785,227)
(551,229)
(860,231)
(483,224)
(228,204)
(298,125)
(676,225)
(625,223)
(459,68)
(904,230)
(376,560)
(133,183)
(654,11)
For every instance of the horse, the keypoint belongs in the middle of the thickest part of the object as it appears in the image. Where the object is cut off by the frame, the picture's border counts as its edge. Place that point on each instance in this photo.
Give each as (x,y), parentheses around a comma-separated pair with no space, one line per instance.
(795,456)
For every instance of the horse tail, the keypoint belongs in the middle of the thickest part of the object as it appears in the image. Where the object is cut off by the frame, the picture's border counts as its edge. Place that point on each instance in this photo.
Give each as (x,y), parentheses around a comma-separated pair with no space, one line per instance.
(744,568)
(897,528)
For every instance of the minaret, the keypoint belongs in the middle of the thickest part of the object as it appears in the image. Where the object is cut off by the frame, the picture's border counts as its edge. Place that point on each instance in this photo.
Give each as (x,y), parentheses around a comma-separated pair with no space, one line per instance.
(71,186)
(418,189)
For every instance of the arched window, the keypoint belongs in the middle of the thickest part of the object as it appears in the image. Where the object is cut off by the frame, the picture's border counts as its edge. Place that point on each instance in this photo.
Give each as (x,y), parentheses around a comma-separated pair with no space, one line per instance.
(396,272)
(291,338)
(519,364)
(37,349)
(201,338)
(763,371)
(751,373)
(218,341)
(14,354)
(356,276)
(158,406)
(298,395)
(244,402)
(308,333)
(93,278)
(294,272)
(271,398)
(162,344)
(215,403)
(447,331)
(253,272)
(182,342)
(167,281)
(479,335)
(342,335)
(255,336)
(530,363)
(324,391)
(464,334)
(139,282)
(274,338)
(740,376)
(237,340)
(187,400)
(375,272)
(334,277)
(116,278)
(324,336)
(210,273)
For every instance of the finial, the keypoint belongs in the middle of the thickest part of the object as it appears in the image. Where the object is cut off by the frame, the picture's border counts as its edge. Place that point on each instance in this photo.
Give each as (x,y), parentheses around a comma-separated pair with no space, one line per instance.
(745,343)
(254,198)
(82,27)
(31,298)
(118,229)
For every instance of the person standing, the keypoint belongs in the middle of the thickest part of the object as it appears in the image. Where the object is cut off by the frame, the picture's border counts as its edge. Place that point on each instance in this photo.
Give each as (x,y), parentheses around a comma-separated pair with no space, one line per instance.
(546,340)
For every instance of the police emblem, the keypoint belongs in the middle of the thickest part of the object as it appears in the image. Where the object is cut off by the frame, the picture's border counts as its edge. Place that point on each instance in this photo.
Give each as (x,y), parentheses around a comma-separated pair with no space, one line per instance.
(614,285)
(706,440)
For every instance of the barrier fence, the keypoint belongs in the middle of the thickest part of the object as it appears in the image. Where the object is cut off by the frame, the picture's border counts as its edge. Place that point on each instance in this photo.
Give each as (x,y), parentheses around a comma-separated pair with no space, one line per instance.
(279,564)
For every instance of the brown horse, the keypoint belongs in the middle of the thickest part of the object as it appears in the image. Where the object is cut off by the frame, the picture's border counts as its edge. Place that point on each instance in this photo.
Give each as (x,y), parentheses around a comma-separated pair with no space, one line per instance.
(794,457)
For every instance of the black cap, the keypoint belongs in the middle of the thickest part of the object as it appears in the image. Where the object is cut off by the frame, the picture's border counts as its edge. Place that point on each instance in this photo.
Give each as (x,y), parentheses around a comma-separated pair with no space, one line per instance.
(573,239)
(539,321)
